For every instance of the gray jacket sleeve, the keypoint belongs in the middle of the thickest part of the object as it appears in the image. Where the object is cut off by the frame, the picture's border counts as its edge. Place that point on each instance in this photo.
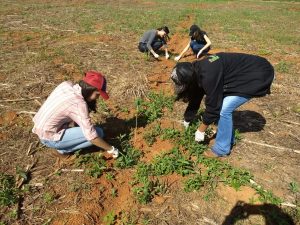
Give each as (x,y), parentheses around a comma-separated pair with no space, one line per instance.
(151,39)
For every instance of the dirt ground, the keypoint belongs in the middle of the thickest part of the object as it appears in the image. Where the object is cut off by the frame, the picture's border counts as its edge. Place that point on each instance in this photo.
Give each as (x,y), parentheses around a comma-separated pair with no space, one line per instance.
(32,64)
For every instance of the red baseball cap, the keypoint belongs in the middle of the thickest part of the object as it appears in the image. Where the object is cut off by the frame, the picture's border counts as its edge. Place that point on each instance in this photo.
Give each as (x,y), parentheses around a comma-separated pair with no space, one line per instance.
(98,81)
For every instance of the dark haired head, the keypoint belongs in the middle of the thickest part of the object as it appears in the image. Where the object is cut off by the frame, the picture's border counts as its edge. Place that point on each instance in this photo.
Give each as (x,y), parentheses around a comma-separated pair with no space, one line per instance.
(194,30)
(86,91)
(184,79)
(166,30)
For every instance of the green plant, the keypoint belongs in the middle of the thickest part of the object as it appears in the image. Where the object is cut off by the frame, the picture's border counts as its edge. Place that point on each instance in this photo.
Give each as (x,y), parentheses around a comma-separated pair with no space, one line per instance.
(193,183)
(129,155)
(110,176)
(150,136)
(9,193)
(148,189)
(173,161)
(109,218)
(294,187)
(13,214)
(170,133)
(114,192)
(267,196)
(48,197)
(22,173)
(94,164)
(152,109)
(283,67)
(237,135)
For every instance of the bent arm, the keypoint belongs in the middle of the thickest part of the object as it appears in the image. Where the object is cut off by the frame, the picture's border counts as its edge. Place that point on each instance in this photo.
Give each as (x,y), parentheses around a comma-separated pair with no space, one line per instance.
(208,43)
(99,142)
(185,49)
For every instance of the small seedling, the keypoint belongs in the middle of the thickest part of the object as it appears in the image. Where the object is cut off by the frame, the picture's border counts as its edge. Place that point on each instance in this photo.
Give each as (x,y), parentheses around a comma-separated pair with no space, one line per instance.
(114,193)
(150,137)
(48,197)
(152,109)
(9,194)
(193,183)
(94,164)
(294,187)
(129,155)
(110,176)
(109,218)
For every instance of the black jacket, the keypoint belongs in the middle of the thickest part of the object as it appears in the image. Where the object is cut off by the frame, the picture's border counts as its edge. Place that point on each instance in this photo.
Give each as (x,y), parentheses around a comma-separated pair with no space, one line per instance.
(229,74)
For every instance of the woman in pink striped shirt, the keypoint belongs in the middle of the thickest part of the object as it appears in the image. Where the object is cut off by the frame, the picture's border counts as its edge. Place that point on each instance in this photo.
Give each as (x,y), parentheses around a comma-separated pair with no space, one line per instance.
(72,103)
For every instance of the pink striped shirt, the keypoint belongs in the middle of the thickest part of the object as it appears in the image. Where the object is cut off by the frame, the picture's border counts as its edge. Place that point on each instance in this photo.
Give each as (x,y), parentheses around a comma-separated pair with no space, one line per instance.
(64,105)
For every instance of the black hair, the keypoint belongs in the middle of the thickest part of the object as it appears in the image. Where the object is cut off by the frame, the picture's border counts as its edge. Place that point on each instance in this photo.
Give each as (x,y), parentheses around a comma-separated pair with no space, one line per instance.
(186,76)
(86,91)
(165,29)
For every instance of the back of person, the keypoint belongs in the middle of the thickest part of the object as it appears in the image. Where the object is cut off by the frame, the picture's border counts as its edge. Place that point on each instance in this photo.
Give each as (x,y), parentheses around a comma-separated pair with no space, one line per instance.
(239,63)
(54,112)
(148,35)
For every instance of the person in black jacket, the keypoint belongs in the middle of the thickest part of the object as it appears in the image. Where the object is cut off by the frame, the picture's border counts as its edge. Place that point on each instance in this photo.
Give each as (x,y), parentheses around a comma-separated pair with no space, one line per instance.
(228,80)
(199,43)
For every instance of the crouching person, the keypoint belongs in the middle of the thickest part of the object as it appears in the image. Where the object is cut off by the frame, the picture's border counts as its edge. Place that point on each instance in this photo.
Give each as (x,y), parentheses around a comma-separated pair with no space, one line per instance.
(72,103)
(228,80)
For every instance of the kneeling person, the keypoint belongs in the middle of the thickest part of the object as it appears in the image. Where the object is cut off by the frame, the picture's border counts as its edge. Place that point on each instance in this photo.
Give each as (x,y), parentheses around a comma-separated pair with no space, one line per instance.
(72,103)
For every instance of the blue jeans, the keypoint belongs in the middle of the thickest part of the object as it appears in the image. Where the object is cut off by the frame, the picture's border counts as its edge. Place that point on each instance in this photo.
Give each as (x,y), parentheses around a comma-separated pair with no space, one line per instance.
(225,133)
(157,44)
(196,47)
(72,140)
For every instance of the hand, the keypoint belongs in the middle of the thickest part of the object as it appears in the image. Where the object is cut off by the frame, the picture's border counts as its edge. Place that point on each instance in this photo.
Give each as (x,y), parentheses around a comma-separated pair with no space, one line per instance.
(167,56)
(156,55)
(177,58)
(114,152)
(199,136)
(186,124)
(199,53)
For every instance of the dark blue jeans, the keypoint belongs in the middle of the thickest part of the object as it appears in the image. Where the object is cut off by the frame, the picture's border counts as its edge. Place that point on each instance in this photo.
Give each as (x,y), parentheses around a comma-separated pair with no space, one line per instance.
(157,44)
(196,47)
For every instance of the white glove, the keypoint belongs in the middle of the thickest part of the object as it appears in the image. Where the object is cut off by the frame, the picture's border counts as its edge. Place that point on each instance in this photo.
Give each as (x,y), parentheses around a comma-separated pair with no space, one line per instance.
(114,152)
(156,56)
(186,124)
(167,56)
(199,136)
(177,58)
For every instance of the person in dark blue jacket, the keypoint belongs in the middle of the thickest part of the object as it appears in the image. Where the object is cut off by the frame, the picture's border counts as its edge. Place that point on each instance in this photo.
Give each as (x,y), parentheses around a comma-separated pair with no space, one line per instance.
(228,80)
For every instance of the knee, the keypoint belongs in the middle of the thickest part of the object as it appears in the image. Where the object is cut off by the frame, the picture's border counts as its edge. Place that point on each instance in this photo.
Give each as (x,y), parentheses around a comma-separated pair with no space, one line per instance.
(226,112)
(100,131)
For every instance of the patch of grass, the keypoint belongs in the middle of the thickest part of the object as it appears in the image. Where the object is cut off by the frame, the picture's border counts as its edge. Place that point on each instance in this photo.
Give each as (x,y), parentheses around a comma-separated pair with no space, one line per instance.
(237,135)
(80,186)
(170,162)
(129,155)
(170,133)
(267,196)
(283,67)
(193,183)
(9,194)
(94,164)
(153,107)
(149,188)
(294,187)
(150,136)
(114,192)
(110,176)
(187,141)
(48,197)
(109,218)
